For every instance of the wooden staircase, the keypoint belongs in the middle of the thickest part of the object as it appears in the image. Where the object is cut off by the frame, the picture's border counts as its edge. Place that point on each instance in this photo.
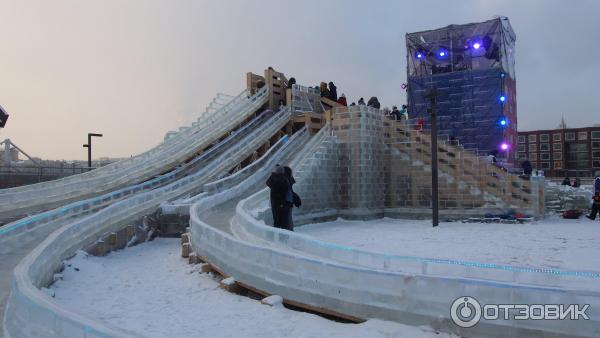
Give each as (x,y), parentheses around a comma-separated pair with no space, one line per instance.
(463,166)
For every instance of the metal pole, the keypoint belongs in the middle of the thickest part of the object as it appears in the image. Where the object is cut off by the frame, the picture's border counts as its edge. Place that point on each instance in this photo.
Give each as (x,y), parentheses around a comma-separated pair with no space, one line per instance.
(432,96)
(89,146)
(89,150)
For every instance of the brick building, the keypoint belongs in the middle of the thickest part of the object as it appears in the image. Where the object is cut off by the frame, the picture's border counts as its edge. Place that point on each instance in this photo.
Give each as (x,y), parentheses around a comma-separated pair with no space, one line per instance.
(573,152)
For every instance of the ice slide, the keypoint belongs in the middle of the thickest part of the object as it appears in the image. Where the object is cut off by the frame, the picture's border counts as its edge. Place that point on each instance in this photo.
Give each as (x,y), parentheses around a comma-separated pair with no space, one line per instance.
(219,118)
(37,268)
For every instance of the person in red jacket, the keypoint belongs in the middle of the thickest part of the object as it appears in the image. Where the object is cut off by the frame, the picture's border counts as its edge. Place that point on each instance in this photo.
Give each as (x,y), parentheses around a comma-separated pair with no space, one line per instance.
(420,123)
(342,100)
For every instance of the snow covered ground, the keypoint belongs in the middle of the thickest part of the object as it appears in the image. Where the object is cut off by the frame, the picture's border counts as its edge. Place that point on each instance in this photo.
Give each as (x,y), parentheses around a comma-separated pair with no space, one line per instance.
(550,243)
(151,290)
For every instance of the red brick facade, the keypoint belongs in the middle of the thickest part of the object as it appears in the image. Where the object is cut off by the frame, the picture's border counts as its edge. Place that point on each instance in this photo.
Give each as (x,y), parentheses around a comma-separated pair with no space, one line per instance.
(573,152)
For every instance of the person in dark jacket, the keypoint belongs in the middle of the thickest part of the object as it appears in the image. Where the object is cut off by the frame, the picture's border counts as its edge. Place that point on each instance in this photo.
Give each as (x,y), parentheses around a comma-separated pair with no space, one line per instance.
(361,102)
(292,198)
(324,90)
(374,102)
(342,100)
(395,114)
(595,206)
(576,183)
(332,92)
(291,82)
(566,181)
(280,200)
(527,168)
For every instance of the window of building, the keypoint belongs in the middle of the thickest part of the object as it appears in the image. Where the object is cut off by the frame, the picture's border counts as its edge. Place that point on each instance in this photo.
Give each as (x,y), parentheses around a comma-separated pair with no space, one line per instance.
(557,155)
(595,144)
(596,134)
(556,137)
(521,139)
(557,164)
(544,147)
(532,138)
(533,156)
(582,135)
(521,156)
(532,147)
(544,138)
(596,164)
(596,154)
(577,156)
(577,148)
(557,146)
(545,165)
(545,156)
(521,147)
(569,136)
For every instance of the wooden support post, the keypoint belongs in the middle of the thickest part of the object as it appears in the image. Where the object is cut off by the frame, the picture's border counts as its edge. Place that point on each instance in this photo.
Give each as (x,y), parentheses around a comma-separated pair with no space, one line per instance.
(112,238)
(186,249)
(185,238)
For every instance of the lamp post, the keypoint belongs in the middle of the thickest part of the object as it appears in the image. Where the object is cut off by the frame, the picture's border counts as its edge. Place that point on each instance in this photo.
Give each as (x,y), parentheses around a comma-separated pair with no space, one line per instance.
(432,96)
(89,147)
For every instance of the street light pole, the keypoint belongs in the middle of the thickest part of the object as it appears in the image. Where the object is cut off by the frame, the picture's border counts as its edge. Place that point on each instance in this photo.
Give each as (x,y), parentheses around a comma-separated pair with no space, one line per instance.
(432,96)
(89,146)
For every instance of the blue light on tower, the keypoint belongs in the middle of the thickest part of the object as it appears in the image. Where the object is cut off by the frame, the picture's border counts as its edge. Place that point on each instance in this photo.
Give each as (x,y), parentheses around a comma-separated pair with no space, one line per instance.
(420,55)
(502,98)
(442,53)
(503,122)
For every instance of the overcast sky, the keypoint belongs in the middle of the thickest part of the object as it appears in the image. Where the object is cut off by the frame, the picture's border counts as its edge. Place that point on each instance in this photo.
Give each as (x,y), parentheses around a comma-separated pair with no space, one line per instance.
(133,70)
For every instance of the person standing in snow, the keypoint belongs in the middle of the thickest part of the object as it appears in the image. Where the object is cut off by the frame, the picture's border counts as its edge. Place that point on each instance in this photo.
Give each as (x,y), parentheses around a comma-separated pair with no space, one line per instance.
(595,206)
(597,184)
(292,199)
(280,187)
(342,100)
(527,168)
(566,181)
(361,102)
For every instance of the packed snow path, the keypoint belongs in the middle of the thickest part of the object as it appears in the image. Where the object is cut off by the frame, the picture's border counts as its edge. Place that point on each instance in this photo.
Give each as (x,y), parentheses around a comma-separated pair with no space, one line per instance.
(12,250)
(551,243)
(150,290)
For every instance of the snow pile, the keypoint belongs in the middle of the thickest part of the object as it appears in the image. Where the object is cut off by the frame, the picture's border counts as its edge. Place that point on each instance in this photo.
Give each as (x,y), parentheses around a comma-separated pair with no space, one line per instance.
(149,289)
(550,243)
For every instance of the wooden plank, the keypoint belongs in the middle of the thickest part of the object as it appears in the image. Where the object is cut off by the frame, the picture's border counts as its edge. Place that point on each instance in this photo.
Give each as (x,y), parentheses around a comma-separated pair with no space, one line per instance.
(300,305)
